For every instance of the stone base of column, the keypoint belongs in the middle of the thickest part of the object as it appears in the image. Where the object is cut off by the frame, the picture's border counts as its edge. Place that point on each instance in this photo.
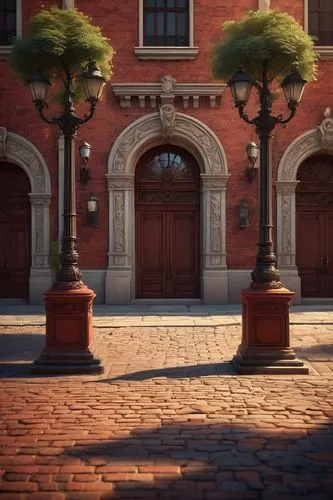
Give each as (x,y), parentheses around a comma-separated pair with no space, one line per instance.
(265,346)
(69,334)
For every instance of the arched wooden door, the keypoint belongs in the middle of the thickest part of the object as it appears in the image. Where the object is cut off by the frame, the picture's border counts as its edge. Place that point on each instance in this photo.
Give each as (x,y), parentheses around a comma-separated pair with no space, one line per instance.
(14,232)
(314,206)
(167,208)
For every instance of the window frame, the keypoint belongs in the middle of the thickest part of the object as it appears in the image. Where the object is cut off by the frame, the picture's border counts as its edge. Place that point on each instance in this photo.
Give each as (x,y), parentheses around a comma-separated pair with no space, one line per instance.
(325,52)
(167,52)
(6,49)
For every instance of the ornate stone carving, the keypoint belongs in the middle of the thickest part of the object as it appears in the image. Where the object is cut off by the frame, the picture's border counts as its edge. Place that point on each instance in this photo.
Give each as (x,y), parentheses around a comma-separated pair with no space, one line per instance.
(120,183)
(286,226)
(326,133)
(168,117)
(119,222)
(24,154)
(3,140)
(167,84)
(286,187)
(214,182)
(215,223)
(130,141)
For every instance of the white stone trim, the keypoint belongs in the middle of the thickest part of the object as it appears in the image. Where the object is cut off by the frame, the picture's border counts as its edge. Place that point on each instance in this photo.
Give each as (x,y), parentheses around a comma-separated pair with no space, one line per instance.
(132,143)
(6,49)
(24,154)
(318,140)
(167,53)
(264,5)
(68,4)
(151,94)
(325,52)
(61,169)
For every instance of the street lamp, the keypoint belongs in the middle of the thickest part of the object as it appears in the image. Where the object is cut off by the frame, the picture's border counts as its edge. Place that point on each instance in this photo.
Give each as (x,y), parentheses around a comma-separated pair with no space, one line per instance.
(265,342)
(69,302)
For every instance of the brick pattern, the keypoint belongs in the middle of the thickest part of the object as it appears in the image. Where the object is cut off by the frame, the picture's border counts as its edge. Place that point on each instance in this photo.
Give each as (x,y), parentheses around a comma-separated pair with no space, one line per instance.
(168,420)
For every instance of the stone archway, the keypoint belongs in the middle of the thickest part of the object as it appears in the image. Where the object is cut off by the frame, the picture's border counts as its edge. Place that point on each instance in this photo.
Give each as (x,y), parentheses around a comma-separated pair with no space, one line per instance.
(318,140)
(194,136)
(20,151)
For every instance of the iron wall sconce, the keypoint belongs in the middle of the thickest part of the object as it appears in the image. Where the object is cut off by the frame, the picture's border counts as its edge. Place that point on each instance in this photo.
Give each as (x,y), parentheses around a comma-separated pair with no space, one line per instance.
(92,206)
(252,155)
(84,151)
(243,214)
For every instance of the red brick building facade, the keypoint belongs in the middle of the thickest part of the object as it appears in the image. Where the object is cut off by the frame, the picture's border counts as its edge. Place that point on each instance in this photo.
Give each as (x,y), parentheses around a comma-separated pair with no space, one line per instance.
(181,234)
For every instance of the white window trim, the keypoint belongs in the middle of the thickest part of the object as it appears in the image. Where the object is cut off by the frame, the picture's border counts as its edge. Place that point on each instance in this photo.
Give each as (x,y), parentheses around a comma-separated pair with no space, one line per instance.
(325,52)
(169,53)
(6,49)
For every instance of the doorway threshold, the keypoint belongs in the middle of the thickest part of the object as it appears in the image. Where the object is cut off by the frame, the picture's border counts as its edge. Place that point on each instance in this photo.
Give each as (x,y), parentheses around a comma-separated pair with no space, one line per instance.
(166,302)
(314,301)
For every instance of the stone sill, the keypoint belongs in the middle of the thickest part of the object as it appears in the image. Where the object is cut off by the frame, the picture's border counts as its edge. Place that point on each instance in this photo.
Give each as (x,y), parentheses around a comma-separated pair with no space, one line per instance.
(324,53)
(166,53)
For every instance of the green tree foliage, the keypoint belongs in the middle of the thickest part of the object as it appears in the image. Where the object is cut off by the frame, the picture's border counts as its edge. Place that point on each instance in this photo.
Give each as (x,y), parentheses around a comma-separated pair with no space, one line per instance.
(60,43)
(274,37)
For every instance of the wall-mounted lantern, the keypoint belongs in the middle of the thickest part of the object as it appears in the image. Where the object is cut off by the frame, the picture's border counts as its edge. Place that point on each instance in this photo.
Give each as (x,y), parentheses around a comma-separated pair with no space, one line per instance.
(84,150)
(92,206)
(252,154)
(243,214)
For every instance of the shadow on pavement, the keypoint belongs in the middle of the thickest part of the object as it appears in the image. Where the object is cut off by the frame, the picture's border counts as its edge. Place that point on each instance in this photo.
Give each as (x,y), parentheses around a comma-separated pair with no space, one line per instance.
(215,461)
(187,371)
(18,351)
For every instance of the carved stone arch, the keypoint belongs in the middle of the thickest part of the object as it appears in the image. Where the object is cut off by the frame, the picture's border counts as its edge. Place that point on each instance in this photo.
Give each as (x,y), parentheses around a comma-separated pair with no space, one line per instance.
(188,132)
(20,151)
(198,139)
(317,140)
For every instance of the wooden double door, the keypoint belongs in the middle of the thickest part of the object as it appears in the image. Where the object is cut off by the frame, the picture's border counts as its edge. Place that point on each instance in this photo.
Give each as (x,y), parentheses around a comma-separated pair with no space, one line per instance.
(314,226)
(167,225)
(14,232)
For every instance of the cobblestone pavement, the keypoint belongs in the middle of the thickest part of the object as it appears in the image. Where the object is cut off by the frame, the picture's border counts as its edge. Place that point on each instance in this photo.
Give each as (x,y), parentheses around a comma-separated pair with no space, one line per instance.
(169,418)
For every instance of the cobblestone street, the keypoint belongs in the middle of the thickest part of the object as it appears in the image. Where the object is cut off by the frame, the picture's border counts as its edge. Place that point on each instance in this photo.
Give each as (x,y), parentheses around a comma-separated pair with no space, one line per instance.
(169,418)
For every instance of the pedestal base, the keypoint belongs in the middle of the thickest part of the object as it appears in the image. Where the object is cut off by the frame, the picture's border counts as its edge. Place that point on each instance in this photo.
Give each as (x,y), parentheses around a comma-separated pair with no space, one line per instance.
(69,334)
(265,346)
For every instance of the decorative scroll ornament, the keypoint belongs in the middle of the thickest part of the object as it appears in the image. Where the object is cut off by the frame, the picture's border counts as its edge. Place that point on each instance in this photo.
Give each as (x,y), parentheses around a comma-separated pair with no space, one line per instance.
(326,130)
(3,140)
(168,117)
(167,84)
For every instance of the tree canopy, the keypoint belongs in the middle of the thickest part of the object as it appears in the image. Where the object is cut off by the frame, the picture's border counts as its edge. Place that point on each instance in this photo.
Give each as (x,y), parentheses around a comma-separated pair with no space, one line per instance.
(274,37)
(60,43)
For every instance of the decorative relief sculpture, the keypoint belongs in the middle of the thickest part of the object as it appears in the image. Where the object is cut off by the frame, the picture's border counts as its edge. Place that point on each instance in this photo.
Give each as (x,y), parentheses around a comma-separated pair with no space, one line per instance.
(326,130)
(286,226)
(168,117)
(3,140)
(215,223)
(167,84)
(30,159)
(119,222)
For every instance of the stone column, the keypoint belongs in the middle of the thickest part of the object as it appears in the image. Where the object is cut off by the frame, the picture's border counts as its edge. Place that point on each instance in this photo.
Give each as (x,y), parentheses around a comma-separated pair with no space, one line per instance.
(214,271)
(118,281)
(286,236)
(40,272)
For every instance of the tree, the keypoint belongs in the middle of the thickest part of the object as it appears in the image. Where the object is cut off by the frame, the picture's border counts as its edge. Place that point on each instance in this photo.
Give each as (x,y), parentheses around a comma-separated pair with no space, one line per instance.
(60,43)
(274,38)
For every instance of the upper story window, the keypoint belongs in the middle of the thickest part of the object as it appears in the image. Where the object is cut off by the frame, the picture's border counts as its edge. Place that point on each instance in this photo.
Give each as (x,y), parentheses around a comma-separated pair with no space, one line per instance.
(166,23)
(166,30)
(320,21)
(7,21)
(10,23)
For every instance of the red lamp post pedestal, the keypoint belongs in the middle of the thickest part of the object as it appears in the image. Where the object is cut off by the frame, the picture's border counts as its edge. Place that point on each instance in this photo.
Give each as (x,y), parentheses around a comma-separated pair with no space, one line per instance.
(265,346)
(69,333)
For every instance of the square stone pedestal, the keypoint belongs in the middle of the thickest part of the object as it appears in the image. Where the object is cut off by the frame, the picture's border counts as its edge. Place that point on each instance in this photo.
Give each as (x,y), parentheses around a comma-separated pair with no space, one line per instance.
(265,346)
(69,333)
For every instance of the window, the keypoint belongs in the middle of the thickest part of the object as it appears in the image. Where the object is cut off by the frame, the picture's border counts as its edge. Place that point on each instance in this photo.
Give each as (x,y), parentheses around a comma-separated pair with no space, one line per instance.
(165,23)
(166,30)
(320,21)
(10,23)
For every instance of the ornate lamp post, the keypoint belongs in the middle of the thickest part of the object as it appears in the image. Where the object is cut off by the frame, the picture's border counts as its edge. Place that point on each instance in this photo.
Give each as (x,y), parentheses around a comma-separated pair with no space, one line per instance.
(265,341)
(69,303)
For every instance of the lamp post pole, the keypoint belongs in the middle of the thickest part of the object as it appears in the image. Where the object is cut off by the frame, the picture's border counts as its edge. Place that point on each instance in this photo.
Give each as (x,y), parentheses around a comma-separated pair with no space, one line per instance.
(265,346)
(69,302)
